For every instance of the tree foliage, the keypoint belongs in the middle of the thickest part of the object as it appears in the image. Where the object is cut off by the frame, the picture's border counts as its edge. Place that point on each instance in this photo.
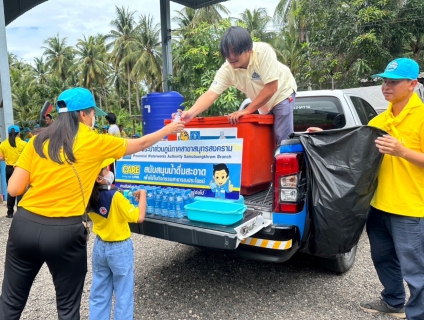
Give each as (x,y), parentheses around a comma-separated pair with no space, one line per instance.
(196,59)
(326,44)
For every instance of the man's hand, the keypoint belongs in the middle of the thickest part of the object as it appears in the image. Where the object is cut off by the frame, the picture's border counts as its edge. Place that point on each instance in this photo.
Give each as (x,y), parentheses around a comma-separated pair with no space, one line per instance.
(233,118)
(313,129)
(390,145)
(186,116)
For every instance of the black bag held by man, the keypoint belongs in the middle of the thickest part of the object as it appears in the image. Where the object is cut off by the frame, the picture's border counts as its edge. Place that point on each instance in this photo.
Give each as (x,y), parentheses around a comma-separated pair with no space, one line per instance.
(343,169)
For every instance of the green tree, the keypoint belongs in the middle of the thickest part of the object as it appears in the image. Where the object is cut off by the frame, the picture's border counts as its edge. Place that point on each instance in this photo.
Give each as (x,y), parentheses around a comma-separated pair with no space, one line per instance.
(91,65)
(196,60)
(40,70)
(145,56)
(256,22)
(122,35)
(59,56)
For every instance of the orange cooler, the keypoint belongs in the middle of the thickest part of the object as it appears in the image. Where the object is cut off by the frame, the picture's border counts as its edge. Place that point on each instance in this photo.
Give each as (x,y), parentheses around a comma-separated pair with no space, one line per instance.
(258,147)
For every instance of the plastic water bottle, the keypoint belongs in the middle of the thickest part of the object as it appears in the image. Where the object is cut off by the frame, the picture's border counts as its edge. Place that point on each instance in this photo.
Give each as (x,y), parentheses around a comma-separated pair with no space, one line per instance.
(164,204)
(179,205)
(186,200)
(191,196)
(171,205)
(150,200)
(158,201)
(177,116)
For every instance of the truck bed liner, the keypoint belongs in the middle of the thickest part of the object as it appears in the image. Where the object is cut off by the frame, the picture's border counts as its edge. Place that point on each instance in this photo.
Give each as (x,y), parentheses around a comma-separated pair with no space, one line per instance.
(260,201)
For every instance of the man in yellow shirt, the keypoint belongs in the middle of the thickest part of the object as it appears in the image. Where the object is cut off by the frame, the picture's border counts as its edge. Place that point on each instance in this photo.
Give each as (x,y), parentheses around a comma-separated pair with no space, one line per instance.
(395,224)
(122,132)
(253,68)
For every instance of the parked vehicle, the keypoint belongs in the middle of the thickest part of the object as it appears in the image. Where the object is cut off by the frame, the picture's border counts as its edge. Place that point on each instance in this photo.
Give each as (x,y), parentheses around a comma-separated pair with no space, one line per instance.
(277,223)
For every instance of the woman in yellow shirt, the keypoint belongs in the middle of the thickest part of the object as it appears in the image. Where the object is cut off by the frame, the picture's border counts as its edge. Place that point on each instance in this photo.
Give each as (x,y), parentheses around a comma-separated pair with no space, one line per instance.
(10,150)
(60,165)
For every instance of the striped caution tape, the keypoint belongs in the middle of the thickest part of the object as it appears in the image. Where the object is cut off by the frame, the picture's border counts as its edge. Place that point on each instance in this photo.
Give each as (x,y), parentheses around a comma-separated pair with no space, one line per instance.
(269,244)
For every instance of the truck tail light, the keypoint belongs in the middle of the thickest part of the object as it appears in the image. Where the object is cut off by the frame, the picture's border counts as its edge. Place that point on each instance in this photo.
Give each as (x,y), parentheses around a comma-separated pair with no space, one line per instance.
(289,183)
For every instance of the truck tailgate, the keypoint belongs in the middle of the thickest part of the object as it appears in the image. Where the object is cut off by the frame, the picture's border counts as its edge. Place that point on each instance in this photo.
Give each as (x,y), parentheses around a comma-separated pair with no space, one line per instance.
(199,233)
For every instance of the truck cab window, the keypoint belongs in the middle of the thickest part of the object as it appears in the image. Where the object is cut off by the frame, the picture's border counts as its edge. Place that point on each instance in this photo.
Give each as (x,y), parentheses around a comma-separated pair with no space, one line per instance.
(323,112)
(364,109)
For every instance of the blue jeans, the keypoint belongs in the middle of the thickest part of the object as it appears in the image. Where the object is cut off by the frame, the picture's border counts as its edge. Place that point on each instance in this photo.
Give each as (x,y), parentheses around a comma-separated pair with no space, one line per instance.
(113,272)
(397,251)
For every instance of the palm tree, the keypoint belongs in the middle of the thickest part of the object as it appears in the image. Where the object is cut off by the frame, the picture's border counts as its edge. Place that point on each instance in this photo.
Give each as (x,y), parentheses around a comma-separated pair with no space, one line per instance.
(188,18)
(22,97)
(145,55)
(284,12)
(59,56)
(40,71)
(183,19)
(91,63)
(289,49)
(123,33)
(281,13)
(256,23)
(209,14)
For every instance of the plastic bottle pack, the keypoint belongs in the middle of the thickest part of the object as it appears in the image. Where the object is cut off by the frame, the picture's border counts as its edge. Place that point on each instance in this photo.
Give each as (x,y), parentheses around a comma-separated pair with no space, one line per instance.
(166,202)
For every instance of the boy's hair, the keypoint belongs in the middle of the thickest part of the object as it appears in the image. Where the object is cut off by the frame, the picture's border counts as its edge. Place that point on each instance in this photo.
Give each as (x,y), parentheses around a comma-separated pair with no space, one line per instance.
(111,118)
(219,167)
(235,40)
(48,115)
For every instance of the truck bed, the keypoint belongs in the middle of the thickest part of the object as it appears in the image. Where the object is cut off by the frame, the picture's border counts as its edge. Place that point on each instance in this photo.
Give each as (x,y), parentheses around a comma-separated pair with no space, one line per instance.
(261,201)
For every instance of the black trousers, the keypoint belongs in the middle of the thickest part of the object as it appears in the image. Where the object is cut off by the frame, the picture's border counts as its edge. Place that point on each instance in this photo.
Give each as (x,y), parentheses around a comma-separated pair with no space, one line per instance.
(33,240)
(10,200)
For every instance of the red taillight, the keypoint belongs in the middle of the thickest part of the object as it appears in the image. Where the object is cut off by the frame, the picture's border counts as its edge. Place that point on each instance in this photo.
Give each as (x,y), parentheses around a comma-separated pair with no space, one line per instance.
(288,167)
(291,207)
(287,164)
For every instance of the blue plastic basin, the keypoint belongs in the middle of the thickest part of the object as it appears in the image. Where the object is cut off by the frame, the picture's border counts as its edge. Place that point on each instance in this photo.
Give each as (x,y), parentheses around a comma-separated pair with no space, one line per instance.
(200,198)
(217,212)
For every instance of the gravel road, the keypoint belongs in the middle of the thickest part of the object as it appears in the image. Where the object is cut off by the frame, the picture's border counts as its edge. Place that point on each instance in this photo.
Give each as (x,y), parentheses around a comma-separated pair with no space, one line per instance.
(174,281)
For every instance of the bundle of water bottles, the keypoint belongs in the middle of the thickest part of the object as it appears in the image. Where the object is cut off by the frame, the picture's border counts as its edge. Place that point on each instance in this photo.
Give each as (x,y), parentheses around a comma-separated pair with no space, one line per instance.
(165,202)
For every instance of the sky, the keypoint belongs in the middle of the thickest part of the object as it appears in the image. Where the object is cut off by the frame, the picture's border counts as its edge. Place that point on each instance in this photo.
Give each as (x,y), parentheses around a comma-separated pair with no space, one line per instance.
(73,19)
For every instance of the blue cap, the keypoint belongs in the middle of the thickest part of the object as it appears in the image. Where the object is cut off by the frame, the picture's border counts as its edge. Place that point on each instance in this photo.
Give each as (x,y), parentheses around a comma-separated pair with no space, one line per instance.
(104,127)
(78,99)
(27,129)
(399,69)
(17,129)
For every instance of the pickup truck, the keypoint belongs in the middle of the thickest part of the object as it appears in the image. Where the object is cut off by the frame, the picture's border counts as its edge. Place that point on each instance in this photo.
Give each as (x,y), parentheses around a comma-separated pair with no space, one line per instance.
(273,229)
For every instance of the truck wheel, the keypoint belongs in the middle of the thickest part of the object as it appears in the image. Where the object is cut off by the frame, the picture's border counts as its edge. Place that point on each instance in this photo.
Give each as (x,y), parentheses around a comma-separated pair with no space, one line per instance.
(340,263)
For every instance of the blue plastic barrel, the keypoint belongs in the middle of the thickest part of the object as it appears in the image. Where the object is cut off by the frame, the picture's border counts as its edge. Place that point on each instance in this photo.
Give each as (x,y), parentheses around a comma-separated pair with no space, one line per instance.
(158,107)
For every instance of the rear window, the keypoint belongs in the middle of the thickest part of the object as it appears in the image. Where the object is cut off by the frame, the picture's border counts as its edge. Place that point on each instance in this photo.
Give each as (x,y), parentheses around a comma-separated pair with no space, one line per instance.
(324,112)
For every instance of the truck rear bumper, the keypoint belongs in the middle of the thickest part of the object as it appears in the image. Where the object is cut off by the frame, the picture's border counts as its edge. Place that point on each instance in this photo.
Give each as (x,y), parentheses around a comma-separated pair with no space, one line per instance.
(272,244)
(199,233)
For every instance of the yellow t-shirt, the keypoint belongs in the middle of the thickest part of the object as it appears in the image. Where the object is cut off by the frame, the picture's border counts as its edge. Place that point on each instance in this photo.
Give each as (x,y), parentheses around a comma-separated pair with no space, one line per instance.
(263,68)
(115,226)
(54,189)
(11,154)
(400,187)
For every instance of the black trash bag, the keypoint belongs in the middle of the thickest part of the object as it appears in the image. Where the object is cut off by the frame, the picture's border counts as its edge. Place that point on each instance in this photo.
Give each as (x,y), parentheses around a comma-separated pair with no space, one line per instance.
(343,169)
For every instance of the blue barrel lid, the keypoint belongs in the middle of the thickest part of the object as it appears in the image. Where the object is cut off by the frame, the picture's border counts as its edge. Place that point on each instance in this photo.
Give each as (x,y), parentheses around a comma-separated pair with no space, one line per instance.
(168,94)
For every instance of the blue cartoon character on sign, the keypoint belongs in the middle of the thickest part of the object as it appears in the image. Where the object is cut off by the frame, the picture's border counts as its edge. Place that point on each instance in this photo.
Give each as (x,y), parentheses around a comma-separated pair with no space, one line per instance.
(221,182)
